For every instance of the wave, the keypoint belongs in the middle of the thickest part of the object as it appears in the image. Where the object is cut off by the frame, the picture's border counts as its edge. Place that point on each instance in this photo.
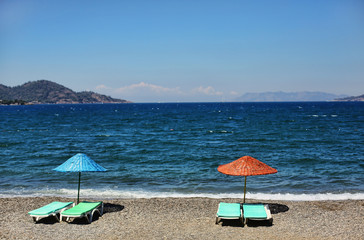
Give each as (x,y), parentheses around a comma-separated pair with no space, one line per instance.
(130,194)
(308,197)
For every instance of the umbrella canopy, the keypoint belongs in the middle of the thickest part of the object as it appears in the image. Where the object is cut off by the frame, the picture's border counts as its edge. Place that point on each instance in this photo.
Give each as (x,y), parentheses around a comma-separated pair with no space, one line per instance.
(246,166)
(80,163)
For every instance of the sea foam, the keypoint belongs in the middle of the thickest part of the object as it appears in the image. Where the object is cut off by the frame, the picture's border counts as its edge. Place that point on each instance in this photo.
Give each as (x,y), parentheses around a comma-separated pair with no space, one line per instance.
(130,194)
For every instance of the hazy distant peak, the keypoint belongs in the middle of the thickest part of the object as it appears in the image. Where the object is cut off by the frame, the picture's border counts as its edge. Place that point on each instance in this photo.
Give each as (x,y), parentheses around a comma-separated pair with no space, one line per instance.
(288,96)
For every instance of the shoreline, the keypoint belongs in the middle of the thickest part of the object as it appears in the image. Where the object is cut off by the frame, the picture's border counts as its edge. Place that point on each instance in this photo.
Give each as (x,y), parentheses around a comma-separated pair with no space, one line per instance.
(125,194)
(185,218)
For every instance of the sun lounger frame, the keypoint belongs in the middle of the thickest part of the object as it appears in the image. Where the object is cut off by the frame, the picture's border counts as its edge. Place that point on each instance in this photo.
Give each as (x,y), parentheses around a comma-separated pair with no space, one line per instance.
(88,215)
(218,218)
(37,217)
(267,211)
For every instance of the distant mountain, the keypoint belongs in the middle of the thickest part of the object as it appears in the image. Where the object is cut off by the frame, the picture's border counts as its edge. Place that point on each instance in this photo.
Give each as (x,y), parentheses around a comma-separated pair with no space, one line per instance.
(352,99)
(288,97)
(44,91)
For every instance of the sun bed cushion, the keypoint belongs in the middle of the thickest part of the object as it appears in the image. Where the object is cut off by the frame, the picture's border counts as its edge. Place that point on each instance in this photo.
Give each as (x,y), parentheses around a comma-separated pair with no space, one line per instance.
(50,208)
(81,208)
(256,211)
(227,210)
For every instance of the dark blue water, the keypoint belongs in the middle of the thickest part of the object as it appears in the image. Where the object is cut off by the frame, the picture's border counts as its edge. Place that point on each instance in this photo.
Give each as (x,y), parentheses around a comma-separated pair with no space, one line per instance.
(174,149)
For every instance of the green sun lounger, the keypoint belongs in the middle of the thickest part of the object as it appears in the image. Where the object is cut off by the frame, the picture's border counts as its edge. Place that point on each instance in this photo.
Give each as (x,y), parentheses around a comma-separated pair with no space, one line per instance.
(83,209)
(51,209)
(257,212)
(229,211)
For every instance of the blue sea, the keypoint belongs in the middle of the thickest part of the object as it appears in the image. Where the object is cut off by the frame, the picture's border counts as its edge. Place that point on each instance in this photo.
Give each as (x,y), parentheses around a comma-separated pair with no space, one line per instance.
(174,149)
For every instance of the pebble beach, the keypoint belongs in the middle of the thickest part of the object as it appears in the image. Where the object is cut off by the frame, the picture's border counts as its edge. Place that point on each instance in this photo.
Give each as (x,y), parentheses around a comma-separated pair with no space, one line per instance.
(185,218)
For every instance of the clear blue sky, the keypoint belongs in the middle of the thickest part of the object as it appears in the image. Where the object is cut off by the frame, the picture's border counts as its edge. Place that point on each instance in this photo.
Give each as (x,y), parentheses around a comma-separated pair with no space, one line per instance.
(186,50)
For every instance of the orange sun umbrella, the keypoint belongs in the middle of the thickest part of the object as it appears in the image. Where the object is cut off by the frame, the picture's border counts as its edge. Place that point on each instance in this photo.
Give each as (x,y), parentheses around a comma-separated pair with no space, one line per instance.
(246,166)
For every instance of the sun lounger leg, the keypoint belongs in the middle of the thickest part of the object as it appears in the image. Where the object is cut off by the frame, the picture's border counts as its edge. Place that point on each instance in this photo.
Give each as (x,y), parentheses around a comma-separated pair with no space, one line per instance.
(55,215)
(89,219)
(93,212)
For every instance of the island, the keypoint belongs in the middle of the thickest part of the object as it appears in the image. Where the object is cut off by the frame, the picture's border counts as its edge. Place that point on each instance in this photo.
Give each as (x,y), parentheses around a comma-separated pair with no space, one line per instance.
(48,92)
(352,99)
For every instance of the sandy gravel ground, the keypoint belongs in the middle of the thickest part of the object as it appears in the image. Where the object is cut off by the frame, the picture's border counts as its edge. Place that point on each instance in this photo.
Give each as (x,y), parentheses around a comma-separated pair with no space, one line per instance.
(185,218)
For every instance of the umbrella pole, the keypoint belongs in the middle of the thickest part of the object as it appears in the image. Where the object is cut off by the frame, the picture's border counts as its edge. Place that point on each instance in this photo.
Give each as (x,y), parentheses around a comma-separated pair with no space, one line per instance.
(79,184)
(244,189)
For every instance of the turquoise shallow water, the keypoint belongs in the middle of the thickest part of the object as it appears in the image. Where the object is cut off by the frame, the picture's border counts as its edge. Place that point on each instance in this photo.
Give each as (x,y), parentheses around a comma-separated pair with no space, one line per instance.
(174,149)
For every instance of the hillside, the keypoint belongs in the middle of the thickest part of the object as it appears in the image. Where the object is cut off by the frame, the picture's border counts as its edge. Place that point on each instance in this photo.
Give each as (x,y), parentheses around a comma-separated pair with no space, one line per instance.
(47,92)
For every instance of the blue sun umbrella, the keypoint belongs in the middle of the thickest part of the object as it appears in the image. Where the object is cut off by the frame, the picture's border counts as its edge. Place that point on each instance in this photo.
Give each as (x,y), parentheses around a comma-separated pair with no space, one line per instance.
(80,163)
